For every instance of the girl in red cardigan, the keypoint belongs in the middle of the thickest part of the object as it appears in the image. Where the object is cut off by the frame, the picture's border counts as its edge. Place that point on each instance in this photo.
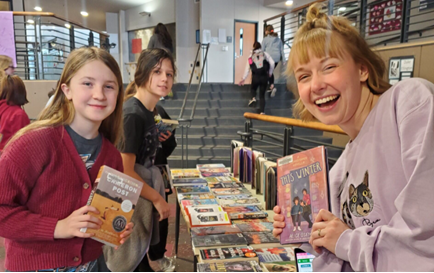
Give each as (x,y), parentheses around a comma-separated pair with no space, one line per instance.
(47,170)
(13,96)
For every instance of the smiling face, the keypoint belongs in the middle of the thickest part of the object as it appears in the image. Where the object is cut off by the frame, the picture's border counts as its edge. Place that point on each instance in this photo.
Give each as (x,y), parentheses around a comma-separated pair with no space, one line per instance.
(93,91)
(331,87)
(161,80)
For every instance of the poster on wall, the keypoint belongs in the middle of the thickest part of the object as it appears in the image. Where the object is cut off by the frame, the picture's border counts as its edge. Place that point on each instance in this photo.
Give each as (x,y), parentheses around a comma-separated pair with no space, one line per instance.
(385,16)
(400,68)
(426,4)
(7,41)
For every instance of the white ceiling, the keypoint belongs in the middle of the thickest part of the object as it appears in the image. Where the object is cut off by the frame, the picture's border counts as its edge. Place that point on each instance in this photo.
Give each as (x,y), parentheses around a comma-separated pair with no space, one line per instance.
(281,4)
(70,9)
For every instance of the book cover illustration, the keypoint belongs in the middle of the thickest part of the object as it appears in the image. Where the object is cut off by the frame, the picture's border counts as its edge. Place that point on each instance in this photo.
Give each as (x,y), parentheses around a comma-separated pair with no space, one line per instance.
(208,219)
(256,238)
(248,221)
(234,197)
(185,173)
(239,266)
(193,189)
(206,166)
(244,253)
(278,259)
(302,192)
(219,240)
(231,191)
(199,202)
(204,231)
(188,181)
(207,172)
(203,209)
(245,212)
(256,227)
(164,125)
(226,185)
(195,196)
(115,196)
(239,202)
(221,179)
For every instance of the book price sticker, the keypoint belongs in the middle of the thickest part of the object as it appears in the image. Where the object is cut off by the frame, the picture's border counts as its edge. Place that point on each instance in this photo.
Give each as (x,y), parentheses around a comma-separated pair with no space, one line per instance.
(126,206)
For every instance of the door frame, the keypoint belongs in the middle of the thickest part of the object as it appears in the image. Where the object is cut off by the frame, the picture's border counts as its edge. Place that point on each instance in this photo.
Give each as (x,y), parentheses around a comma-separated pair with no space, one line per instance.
(256,38)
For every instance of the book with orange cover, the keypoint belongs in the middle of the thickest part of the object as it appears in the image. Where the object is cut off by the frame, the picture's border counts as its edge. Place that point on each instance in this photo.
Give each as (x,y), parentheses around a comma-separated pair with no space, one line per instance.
(115,196)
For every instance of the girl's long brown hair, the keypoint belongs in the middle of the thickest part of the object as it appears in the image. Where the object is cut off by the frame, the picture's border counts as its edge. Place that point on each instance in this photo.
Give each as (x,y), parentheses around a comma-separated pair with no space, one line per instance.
(332,36)
(61,111)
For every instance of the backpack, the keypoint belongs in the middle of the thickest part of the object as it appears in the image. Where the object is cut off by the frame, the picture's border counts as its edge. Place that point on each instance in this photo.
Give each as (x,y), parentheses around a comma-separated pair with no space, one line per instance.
(258,64)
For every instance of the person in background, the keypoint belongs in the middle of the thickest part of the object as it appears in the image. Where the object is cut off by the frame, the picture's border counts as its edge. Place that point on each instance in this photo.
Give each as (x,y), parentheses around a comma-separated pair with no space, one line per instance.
(381,185)
(273,45)
(13,96)
(153,79)
(262,65)
(6,66)
(161,39)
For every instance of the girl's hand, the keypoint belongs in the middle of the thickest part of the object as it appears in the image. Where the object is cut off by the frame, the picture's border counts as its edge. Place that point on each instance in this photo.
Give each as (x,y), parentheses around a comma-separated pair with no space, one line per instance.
(163,137)
(162,207)
(241,83)
(126,234)
(279,222)
(70,226)
(326,231)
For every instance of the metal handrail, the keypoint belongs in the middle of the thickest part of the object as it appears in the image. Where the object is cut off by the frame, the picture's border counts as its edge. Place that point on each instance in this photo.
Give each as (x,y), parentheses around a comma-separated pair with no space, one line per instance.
(296,122)
(189,83)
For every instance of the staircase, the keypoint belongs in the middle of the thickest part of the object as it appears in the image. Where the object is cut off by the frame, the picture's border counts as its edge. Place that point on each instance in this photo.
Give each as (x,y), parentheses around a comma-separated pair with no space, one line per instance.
(218,117)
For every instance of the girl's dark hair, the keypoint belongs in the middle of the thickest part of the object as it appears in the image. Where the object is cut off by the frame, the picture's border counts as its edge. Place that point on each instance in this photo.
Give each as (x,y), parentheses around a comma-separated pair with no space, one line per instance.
(13,91)
(256,45)
(164,35)
(270,29)
(148,60)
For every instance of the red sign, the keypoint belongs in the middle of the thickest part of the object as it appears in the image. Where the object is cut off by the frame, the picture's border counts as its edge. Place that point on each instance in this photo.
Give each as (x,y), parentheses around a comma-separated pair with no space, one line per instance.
(136,46)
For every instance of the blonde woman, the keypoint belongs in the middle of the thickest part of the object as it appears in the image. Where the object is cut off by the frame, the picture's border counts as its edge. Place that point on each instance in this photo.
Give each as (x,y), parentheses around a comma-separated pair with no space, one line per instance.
(381,186)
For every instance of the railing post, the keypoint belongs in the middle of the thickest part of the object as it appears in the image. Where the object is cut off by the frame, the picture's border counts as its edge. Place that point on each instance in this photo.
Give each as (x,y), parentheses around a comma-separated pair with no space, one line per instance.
(282,29)
(288,141)
(71,38)
(330,7)
(405,20)
(38,19)
(363,17)
(90,40)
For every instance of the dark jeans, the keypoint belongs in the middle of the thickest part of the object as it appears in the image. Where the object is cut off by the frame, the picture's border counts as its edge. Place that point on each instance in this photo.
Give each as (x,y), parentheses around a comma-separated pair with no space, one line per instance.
(271,80)
(261,82)
(296,219)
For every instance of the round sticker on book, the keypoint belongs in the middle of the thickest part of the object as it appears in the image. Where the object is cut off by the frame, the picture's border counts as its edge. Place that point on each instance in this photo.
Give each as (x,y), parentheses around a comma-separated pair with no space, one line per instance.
(119,223)
(126,206)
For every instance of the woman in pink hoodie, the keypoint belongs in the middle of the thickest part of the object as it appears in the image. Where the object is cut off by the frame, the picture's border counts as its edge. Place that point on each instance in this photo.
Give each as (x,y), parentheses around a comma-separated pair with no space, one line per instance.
(13,96)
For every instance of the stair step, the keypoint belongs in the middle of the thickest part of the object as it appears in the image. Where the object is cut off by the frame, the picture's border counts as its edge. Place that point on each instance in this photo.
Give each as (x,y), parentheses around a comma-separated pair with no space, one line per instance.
(226,112)
(224,103)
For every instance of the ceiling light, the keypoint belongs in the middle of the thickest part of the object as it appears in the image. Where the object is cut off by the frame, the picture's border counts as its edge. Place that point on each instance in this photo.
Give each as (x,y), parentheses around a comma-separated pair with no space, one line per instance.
(67,25)
(37,8)
(84,13)
(30,21)
(342,8)
(289,3)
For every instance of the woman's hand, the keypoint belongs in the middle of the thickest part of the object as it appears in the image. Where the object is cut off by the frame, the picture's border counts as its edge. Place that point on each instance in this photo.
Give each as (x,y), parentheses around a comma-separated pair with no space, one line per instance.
(326,231)
(126,234)
(70,226)
(164,136)
(162,207)
(241,83)
(279,222)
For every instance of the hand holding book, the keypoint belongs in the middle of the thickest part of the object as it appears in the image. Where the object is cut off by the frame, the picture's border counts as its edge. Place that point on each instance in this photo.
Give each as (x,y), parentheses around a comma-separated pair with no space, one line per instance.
(164,136)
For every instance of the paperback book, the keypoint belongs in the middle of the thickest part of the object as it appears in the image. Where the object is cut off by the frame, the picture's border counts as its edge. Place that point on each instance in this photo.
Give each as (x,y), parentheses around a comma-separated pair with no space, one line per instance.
(193,189)
(231,191)
(208,172)
(234,196)
(221,179)
(199,202)
(188,196)
(220,240)
(233,254)
(261,239)
(188,181)
(208,219)
(164,125)
(206,166)
(115,196)
(225,185)
(240,266)
(203,209)
(278,259)
(204,231)
(256,227)
(185,173)
(239,202)
(245,212)
(302,192)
